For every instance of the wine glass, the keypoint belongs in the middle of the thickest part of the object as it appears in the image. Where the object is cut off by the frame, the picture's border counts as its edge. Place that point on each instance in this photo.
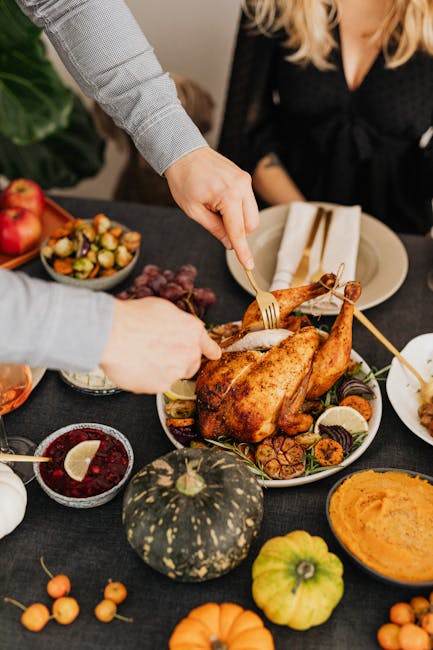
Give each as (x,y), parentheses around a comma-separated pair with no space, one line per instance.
(15,387)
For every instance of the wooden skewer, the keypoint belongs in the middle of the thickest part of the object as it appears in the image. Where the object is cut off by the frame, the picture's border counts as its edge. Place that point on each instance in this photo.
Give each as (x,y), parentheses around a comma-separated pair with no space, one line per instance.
(369,325)
(19,458)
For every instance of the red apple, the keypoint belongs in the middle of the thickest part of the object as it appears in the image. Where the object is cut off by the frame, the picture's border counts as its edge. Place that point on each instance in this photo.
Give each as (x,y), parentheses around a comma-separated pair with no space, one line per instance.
(24,193)
(20,230)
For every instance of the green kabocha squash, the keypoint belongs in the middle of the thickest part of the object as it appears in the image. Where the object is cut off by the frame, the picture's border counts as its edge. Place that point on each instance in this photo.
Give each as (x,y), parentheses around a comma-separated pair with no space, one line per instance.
(193,513)
(296,580)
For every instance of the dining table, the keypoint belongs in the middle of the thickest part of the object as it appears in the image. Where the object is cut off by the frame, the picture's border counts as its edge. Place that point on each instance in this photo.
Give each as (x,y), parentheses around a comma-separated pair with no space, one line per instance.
(90,545)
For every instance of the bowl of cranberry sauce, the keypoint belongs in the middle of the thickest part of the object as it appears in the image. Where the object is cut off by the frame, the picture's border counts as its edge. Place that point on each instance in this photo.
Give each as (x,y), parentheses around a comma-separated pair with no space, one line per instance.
(107,472)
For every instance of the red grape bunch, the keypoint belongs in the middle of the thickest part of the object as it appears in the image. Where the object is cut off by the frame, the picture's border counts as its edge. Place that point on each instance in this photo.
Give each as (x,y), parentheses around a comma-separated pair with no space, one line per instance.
(176,286)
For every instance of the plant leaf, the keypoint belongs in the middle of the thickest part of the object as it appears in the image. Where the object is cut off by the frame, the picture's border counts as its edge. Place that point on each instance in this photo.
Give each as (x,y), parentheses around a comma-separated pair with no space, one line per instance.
(34,102)
(61,160)
(15,27)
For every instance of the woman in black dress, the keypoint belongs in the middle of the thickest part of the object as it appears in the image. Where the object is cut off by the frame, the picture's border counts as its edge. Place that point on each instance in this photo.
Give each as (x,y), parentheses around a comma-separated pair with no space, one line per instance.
(345,106)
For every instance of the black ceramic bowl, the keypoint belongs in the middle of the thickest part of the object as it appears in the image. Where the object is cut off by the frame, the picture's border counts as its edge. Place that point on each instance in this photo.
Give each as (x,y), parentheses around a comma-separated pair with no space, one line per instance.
(427,584)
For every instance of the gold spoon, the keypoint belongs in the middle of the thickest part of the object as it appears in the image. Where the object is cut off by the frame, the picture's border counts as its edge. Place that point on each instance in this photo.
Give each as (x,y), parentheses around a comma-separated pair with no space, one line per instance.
(19,458)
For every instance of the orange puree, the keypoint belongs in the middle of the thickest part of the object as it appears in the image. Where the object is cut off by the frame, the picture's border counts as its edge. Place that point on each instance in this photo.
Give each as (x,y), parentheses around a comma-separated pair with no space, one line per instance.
(386,520)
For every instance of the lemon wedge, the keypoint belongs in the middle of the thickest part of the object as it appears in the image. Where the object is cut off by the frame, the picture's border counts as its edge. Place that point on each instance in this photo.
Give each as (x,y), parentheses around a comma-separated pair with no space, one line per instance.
(343,416)
(181,389)
(79,457)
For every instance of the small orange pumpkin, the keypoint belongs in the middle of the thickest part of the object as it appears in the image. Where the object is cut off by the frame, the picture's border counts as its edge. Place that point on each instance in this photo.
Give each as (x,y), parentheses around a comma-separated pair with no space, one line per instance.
(221,627)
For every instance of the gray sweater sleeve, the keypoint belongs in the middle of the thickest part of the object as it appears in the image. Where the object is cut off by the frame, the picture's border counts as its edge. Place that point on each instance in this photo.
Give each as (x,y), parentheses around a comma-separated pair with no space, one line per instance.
(51,325)
(104,49)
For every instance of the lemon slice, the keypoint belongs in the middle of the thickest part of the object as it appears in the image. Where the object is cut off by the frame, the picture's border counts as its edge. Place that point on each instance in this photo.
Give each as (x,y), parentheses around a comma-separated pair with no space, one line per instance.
(78,458)
(343,416)
(181,389)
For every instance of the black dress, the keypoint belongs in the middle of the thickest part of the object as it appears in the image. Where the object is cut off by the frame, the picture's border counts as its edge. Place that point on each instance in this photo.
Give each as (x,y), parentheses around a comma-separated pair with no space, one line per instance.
(338,145)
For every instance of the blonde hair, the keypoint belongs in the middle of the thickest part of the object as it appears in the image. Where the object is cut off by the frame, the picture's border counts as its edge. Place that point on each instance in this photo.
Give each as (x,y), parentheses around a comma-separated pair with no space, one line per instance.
(406,28)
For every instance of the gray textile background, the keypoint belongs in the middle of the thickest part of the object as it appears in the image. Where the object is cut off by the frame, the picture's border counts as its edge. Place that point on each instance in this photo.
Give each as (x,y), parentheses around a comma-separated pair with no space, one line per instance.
(90,546)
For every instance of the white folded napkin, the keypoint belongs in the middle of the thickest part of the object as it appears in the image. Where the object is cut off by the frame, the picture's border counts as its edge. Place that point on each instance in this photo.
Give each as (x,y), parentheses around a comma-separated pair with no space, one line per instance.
(296,232)
(341,246)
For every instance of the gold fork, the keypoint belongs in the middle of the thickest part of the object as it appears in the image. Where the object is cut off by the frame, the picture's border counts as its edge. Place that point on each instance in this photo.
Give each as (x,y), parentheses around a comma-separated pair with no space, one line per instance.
(267,303)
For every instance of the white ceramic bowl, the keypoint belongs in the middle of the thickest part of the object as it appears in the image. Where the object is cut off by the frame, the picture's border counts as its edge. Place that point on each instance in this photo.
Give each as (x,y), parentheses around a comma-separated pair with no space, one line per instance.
(92,501)
(96,284)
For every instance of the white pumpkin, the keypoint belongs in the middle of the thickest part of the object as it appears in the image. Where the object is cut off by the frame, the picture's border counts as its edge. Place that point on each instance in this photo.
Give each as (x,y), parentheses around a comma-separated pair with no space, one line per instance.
(13,500)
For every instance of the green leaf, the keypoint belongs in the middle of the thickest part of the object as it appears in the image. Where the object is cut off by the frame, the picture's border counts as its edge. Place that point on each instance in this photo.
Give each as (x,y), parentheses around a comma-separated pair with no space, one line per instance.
(15,27)
(34,103)
(61,160)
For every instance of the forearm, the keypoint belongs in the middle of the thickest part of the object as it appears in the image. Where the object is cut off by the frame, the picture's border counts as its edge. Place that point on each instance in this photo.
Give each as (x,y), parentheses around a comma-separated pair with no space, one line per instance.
(272,182)
(104,49)
(48,324)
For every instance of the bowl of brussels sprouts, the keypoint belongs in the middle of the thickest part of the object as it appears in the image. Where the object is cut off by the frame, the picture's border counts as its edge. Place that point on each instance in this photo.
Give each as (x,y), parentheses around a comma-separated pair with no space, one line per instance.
(96,253)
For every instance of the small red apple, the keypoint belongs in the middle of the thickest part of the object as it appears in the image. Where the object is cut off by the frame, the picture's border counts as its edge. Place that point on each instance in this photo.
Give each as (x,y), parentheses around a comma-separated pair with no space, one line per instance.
(24,193)
(20,231)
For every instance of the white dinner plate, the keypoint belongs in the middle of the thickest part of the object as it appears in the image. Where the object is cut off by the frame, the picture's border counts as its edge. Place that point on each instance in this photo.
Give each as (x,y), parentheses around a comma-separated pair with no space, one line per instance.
(311,478)
(403,388)
(381,268)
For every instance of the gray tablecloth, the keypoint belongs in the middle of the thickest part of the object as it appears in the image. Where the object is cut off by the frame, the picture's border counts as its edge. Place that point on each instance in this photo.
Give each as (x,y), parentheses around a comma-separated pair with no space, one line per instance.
(90,545)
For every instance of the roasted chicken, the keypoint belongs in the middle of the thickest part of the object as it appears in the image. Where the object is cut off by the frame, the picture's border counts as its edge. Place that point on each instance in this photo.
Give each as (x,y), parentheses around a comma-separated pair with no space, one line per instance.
(333,356)
(251,395)
(288,300)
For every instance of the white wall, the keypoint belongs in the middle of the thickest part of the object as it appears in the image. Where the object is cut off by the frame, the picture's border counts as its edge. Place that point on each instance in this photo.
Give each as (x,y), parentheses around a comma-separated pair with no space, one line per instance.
(192,37)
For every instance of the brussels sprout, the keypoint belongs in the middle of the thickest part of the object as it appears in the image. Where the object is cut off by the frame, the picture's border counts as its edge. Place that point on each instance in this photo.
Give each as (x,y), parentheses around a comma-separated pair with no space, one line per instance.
(48,252)
(131,240)
(109,241)
(106,259)
(64,247)
(82,268)
(91,255)
(101,223)
(89,231)
(123,256)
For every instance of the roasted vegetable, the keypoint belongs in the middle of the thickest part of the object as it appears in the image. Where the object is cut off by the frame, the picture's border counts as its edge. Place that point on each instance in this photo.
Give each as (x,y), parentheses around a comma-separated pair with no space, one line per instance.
(109,241)
(328,452)
(106,259)
(338,433)
(131,240)
(358,403)
(64,247)
(83,244)
(82,268)
(64,266)
(123,256)
(353,386)
(101,223)
(281,457)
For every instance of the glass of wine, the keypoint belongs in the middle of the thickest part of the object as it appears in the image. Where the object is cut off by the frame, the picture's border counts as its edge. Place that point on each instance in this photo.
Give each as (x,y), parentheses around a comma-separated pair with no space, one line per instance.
(15,387)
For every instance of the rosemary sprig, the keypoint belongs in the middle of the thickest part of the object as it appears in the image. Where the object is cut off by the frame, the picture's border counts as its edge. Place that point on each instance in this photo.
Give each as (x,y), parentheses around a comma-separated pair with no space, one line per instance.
(232,447)
(377,374)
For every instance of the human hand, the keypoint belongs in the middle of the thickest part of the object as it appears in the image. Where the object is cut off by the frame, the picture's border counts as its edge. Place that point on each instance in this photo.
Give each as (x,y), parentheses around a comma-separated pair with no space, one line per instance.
(152,343)
(218,195)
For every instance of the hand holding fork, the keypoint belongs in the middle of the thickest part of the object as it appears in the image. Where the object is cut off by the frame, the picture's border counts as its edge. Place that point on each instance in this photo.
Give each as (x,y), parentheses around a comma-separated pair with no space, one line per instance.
(267,303)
